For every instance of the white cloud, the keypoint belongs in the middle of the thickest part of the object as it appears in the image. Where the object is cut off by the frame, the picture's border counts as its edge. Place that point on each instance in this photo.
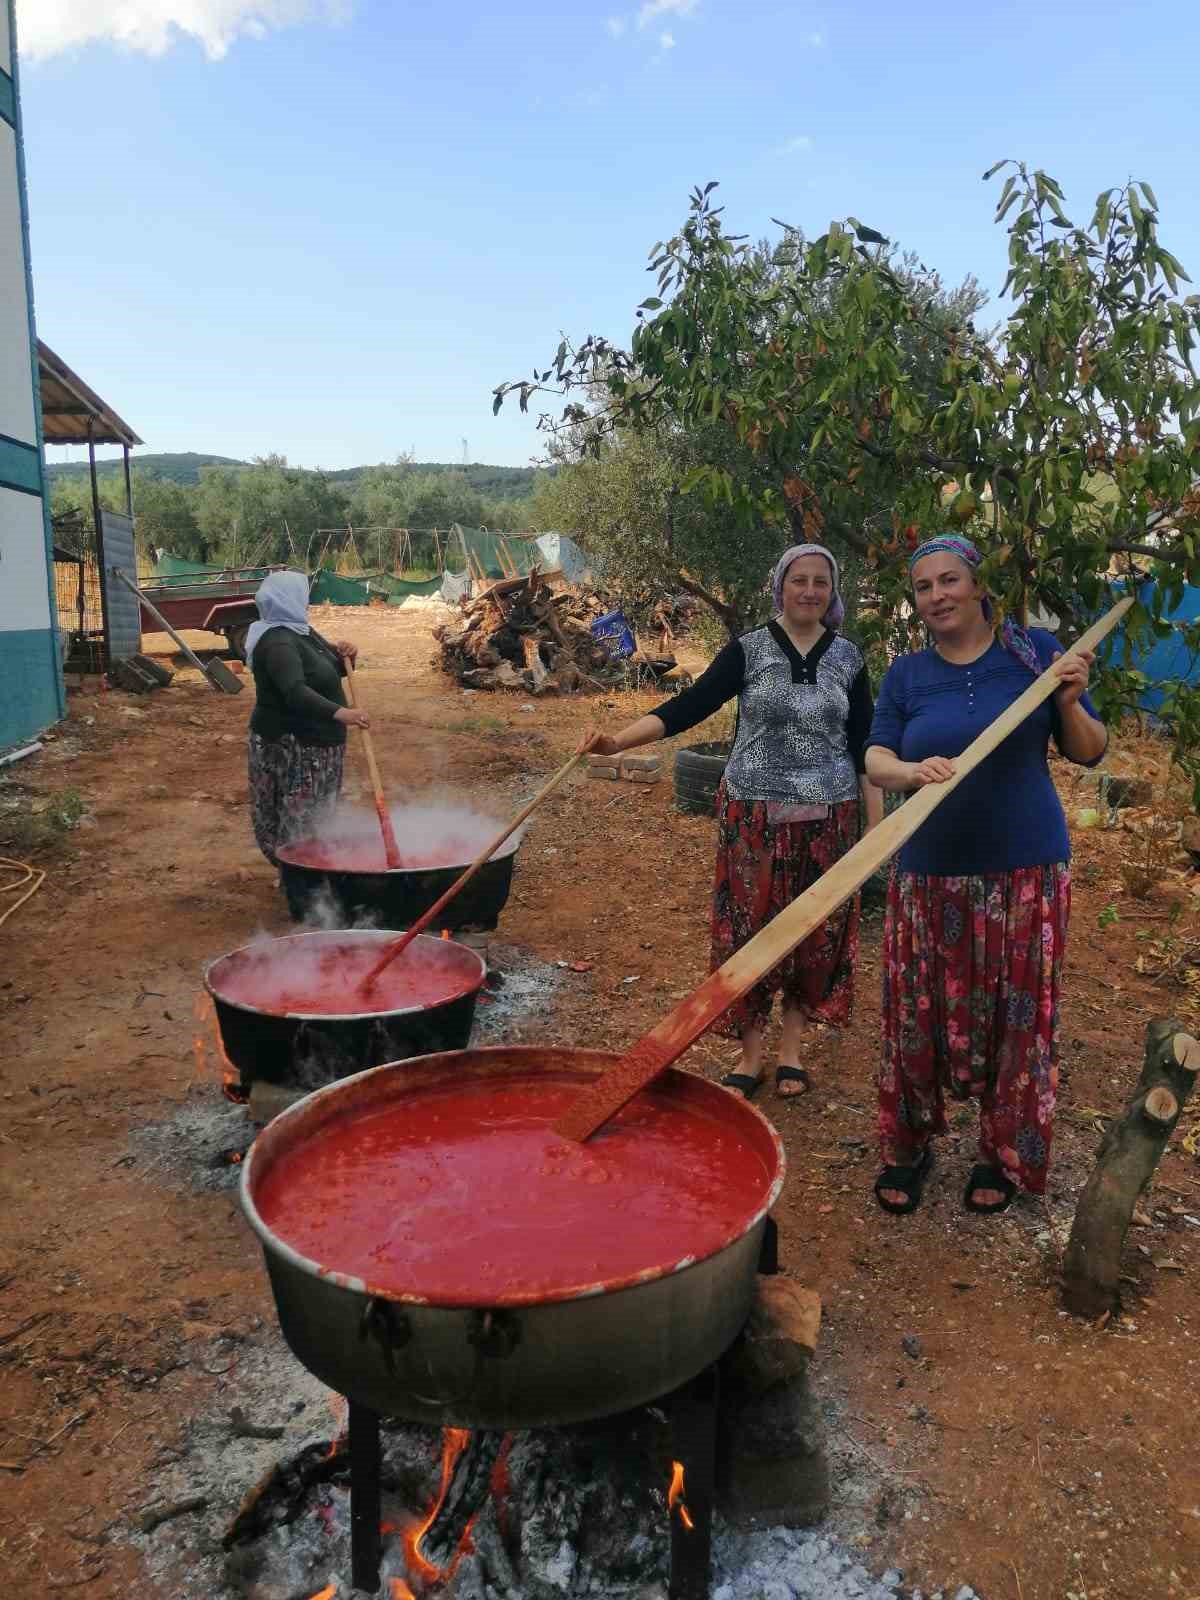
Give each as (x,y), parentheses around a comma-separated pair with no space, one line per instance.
(792,147)
(616,26)
(48,27)
(667,41)
(651,9)
(816,39)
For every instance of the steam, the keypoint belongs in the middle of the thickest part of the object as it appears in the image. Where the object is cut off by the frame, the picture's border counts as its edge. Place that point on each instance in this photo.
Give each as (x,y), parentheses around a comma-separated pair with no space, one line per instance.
(431,834)
(325,973)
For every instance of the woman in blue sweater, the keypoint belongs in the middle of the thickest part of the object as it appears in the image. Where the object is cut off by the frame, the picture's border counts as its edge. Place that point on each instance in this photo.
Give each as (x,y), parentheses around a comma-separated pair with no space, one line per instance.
(979,899)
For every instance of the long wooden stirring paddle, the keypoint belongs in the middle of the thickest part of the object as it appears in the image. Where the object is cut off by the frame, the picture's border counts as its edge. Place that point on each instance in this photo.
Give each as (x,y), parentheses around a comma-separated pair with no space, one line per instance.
(400,945)
(391,849)
(682,1027)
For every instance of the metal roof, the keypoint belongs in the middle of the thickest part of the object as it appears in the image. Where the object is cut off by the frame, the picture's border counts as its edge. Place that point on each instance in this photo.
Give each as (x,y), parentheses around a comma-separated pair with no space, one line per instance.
(69,406)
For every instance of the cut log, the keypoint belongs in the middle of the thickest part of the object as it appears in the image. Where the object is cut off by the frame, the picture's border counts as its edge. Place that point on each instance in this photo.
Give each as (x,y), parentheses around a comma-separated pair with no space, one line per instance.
(780,1336)
(1125,1163)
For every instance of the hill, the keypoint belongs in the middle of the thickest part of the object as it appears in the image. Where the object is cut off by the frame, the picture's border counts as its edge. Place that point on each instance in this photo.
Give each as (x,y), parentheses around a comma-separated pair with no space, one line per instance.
(494,483)
(180,467)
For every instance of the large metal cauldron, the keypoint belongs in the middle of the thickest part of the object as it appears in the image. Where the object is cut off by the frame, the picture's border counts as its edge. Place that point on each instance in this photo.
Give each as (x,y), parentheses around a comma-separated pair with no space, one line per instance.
(396,897)
(522,1363)
(311,1050)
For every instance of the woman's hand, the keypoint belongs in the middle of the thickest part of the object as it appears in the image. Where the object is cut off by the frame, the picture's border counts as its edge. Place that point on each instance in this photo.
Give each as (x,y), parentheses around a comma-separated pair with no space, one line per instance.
(345,648)
(934,769)
(1073,672)
(352,717)
(597,744)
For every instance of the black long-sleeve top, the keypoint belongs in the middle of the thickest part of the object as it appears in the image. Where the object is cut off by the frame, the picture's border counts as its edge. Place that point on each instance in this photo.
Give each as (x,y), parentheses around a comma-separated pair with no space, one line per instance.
(803,720)
(298,680)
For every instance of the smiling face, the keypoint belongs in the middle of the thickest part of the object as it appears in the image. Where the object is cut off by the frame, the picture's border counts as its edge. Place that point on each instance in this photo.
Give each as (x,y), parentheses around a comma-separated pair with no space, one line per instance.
(948,598)
(807,591)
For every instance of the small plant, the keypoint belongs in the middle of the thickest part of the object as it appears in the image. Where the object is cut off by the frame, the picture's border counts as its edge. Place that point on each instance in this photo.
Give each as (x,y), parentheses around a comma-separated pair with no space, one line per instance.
(36,823)
(1108,917)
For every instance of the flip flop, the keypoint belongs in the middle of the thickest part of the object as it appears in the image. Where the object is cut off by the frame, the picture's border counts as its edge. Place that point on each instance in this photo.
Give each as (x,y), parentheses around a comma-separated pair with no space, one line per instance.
(793,1075)
(988,1177)
(742,1083)
(910,1181)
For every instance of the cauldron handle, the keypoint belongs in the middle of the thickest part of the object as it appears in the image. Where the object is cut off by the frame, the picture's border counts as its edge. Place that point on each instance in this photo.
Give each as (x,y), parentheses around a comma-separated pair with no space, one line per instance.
(493,1335)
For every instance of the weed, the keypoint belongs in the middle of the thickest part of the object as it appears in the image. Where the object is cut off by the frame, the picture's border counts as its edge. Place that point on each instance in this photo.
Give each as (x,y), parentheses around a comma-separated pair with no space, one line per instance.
(37,822)
(483,724)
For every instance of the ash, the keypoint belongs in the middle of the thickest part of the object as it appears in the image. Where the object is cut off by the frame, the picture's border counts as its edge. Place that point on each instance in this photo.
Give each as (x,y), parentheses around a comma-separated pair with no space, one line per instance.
(194,1148)
(570,1513)
(522,1001)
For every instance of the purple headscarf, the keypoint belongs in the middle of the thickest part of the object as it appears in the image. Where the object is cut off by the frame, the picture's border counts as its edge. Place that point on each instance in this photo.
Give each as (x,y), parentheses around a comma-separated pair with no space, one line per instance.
(1013,637)
(836,614)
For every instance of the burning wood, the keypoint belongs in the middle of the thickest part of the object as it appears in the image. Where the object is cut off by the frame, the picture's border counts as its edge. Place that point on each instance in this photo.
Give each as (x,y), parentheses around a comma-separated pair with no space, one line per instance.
(436,1546)
(523,635)
(675,1501)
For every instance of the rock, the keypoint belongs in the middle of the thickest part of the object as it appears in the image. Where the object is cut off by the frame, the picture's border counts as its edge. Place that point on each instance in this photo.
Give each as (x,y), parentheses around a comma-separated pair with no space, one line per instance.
(911,1346)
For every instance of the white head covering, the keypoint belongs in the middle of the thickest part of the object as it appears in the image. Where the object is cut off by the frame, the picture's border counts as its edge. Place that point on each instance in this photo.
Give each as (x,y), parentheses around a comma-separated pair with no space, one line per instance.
(282,601)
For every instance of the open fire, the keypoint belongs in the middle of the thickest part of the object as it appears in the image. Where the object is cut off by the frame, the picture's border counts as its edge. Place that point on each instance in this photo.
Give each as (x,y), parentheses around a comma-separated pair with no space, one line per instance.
(208,1050)
(675,1500)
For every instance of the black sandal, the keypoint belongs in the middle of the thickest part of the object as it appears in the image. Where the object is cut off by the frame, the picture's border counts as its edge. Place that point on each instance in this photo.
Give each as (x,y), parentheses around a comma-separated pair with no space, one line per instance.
(742,1083)
(793,1075)
(910,1181)
(987,1177)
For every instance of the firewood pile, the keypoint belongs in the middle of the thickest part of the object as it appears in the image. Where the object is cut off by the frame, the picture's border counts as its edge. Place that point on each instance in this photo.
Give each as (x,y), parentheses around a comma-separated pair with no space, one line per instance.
(522,634)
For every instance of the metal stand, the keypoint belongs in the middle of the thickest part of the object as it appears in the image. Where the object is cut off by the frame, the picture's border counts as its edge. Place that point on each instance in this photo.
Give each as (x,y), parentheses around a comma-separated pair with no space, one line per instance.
(366,1548)
(768,1254)
(694,1443)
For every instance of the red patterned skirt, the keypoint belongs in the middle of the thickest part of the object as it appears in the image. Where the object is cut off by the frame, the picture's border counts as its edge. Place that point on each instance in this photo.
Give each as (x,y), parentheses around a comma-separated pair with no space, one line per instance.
(972,978)
(762,866)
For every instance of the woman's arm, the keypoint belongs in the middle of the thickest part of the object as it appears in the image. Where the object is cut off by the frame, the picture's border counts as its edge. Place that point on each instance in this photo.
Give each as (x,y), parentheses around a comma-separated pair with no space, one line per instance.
(720,682)
(872,799)
(1081,737)
(886,769)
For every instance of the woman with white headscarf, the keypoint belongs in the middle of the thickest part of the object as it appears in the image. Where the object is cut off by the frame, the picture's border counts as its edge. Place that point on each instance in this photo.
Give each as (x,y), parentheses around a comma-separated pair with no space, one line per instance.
(788,805)
(298,729)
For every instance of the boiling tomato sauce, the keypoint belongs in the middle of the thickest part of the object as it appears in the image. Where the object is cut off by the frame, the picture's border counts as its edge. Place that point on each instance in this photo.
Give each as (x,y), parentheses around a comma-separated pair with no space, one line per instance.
(330,982)
(334,854)
(467,1196)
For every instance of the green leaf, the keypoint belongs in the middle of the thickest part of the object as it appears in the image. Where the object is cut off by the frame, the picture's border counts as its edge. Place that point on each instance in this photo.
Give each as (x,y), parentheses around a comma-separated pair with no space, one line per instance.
(653,304)
(994,169)
(1149,193)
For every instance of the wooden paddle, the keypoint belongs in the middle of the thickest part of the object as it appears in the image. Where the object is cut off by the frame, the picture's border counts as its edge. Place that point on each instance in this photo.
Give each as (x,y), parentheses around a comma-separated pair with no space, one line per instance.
(683,1026)
(400,945)
(391,849)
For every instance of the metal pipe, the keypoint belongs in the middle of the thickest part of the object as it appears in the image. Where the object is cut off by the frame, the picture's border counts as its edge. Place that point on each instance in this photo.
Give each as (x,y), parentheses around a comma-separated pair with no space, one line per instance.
(365,1503)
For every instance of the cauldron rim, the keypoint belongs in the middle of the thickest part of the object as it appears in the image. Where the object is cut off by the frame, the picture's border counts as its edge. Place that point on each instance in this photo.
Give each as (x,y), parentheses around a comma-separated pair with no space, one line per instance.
(673,1080)
(340,934)
(508,848)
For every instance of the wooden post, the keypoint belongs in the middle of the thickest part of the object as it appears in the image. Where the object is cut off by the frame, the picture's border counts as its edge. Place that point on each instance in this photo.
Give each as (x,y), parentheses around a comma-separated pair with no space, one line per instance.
(1125,1163)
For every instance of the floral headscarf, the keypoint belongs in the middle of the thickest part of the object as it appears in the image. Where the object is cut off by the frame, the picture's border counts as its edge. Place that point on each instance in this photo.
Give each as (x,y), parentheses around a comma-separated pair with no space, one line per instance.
(836,613)
(1013,637)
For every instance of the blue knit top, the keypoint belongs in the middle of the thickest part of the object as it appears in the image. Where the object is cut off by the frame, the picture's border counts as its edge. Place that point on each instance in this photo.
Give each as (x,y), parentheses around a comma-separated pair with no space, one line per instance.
(1007,812)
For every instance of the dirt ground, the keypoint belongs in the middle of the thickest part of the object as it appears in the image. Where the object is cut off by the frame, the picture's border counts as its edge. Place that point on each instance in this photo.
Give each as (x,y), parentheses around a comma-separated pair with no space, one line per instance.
(1015,1449)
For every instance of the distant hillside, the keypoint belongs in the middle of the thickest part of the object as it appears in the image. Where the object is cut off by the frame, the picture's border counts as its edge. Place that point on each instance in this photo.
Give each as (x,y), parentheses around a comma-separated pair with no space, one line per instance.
(494,483)
(181,467)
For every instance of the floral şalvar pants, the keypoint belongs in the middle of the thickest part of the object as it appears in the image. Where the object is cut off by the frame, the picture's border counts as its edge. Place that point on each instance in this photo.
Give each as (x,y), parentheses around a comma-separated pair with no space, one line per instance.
(291,786)
(972,978)
(762,866)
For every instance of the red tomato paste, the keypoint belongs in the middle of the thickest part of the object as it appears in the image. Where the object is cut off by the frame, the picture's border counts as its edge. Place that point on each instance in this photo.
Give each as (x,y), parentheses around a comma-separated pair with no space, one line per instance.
(290,976)
(467,1196)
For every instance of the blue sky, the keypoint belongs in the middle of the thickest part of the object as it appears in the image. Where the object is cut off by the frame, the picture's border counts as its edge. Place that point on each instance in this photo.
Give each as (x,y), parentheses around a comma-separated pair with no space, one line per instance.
(328,229)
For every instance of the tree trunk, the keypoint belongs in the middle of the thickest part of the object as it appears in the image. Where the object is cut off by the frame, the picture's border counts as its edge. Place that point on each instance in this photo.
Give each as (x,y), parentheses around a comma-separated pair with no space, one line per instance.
(1125,1163)
(729,615)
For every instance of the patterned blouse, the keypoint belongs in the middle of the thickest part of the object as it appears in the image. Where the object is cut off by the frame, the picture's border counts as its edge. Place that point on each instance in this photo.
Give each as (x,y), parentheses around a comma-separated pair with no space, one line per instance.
(803,720)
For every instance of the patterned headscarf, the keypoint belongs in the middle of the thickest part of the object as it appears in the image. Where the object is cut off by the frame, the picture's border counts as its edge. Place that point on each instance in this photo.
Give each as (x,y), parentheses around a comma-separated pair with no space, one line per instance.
(282,600)
(1013,637)
(836,614)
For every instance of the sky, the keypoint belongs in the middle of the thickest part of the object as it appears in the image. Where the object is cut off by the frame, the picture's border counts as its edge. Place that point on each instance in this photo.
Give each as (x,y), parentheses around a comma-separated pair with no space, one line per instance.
(328,228)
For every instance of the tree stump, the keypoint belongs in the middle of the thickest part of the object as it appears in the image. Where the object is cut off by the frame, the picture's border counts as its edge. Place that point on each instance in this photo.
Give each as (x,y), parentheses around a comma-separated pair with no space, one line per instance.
(1125,1163)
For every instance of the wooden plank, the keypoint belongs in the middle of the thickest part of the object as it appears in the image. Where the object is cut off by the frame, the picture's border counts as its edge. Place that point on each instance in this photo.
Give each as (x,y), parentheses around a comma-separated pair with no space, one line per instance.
(684,1025)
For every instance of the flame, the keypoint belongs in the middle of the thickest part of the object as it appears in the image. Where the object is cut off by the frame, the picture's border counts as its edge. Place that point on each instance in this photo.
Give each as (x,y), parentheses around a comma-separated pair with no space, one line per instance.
(231,1079)
(329,1592)
(445,933)
(675,1495)
(399,1590)
(454,1442)
(340,1407)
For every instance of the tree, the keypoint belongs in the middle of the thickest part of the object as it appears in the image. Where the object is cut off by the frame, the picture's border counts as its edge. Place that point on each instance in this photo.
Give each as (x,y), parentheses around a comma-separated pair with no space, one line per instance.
(618,488)
(246,514)
(1066,442)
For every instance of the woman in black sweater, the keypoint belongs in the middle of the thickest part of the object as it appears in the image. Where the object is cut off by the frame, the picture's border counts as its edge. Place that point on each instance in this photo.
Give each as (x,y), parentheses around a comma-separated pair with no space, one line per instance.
(298,730)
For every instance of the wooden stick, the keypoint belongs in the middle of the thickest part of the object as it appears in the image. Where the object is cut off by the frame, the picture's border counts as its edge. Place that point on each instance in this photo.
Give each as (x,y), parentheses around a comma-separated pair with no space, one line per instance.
(684,1025)
(398,946)
(391,849)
